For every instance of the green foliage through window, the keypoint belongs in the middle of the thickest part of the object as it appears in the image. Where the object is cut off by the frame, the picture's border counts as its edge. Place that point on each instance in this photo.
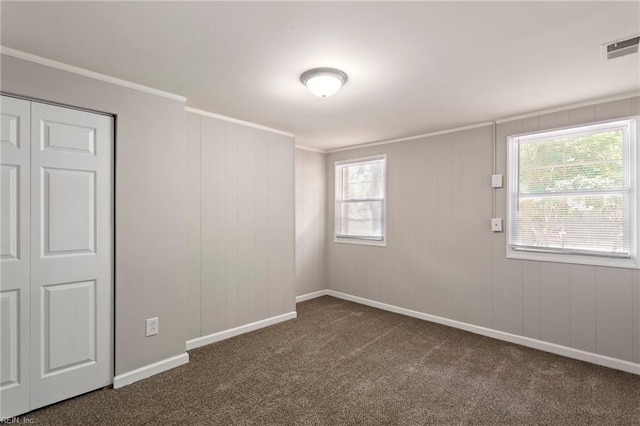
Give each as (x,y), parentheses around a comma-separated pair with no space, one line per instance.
(570,190)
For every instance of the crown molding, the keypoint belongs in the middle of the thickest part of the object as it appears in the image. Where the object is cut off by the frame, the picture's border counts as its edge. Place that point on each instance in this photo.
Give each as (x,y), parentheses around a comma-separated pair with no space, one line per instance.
(567,107)
(90,74)
(409,138)
(236,121)
(308,148)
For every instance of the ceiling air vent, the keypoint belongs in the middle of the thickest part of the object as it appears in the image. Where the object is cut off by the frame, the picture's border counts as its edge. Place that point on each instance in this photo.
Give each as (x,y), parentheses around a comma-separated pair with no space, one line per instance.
(621,47)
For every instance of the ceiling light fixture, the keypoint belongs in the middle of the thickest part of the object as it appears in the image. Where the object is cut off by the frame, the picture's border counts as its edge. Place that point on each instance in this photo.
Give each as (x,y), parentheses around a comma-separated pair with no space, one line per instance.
(323,82)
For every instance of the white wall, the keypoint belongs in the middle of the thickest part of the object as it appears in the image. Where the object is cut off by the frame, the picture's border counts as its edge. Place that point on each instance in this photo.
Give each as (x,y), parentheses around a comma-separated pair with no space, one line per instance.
(240,210)
(311,266)
(150,204)
(442,259)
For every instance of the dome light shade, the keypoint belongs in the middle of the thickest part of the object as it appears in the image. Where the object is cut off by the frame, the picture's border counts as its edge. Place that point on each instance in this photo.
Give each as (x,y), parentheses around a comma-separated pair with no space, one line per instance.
(323,82)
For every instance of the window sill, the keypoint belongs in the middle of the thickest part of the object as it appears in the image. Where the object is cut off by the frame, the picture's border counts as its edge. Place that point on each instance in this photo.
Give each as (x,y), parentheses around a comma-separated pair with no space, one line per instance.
(612,262)
(361,241)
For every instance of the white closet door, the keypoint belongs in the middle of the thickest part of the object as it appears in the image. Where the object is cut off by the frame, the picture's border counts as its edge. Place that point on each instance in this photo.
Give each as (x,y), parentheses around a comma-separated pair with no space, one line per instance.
(71,253)
(14,256)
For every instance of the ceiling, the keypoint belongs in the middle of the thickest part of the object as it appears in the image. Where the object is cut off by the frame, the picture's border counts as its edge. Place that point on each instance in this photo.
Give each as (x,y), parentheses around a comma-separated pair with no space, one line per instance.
(413,67)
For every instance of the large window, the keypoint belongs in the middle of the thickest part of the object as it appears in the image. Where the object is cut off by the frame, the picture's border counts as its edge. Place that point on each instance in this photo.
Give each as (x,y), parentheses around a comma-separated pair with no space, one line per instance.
(360,201)
(572,195)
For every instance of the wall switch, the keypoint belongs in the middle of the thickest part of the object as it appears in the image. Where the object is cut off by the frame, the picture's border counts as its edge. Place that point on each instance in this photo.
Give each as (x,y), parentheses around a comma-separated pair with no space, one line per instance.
(496,181)
(152,326)
(496,224)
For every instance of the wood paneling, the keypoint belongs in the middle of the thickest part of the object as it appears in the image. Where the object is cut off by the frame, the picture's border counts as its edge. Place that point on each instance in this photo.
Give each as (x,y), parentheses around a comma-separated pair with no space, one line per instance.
(262,234)
(192,215)
(582,115)
(583,307)
(636,316)
(229,205)
(611,110)
(245,243)
(288,223)
(275,224)
(213,255)
(310,198)
(444,208)
(614,312)
(442,259)
(555,119)
(635,106)
(555,303)
(531,299)
(247,216)
(507,273)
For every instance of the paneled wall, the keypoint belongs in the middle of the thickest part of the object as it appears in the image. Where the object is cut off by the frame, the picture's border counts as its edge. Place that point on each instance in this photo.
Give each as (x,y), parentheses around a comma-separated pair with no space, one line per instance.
(442,259)
(241,231)
(311,267)
(586,307)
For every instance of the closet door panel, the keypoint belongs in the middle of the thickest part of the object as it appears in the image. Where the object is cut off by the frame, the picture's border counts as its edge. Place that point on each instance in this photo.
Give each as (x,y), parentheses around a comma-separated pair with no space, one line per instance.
(71,253)
(14,256)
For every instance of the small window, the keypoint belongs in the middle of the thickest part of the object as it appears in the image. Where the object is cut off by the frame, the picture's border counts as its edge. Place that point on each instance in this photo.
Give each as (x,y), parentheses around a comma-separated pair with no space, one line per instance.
(361,201)
(572,195)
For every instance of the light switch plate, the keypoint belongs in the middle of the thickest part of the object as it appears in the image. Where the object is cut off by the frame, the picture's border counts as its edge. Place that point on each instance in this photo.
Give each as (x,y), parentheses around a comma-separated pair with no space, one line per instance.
(496,181)
(496,224)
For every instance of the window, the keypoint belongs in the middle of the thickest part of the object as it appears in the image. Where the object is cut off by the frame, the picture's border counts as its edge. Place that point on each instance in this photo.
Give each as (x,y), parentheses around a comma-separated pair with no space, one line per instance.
(361,201)
(572,195)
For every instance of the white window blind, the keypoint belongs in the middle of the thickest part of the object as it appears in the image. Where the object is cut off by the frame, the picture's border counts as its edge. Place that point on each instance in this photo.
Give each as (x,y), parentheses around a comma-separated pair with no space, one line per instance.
(571,190)
(360,199)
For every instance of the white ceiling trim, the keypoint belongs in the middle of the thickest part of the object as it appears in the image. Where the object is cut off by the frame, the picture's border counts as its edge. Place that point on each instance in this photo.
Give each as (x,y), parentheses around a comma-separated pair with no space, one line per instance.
(499,121)
(409,138)
(308,148)
(235,120)
(569,106)
(86,73)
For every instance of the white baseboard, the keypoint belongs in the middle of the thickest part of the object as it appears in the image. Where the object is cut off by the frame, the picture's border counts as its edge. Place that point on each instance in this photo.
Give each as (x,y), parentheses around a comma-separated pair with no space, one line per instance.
(310,296)
(149,370)
(226,334)
(618,364)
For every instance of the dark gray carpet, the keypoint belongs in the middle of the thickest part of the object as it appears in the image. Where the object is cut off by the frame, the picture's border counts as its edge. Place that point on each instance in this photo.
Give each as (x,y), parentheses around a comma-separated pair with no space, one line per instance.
(341,363)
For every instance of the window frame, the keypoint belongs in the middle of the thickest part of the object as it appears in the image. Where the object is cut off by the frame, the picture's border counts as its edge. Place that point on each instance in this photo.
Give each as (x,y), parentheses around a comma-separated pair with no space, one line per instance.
(337,200)
(594,259)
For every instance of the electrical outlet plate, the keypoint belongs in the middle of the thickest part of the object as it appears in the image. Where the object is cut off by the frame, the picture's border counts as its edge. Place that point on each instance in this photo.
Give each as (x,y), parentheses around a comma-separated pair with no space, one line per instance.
(152,326)
(496,224)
